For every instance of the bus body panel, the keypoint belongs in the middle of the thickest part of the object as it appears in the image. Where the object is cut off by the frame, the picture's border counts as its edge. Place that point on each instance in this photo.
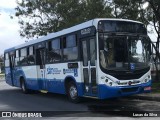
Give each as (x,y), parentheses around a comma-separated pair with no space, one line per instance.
(54,81)
(56,74)
(8,76)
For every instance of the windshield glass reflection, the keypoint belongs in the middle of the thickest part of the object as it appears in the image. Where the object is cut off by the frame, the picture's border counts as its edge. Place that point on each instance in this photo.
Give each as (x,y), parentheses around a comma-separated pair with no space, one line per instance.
(124,52)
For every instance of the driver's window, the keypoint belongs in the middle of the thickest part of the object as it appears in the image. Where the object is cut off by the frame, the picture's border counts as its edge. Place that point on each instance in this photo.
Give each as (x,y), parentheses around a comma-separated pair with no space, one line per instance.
(107,54)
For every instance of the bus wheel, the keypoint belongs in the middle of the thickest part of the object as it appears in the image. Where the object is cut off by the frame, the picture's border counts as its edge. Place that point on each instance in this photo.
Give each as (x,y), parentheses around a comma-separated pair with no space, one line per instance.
(72,92)
(23,87)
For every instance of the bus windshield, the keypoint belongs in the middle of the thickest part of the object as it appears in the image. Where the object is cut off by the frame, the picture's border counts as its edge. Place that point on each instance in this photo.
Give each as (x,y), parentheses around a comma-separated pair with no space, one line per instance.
(124,52)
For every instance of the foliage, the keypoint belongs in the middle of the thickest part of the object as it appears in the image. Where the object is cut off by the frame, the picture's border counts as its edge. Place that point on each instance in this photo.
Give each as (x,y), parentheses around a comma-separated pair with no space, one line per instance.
(46,16)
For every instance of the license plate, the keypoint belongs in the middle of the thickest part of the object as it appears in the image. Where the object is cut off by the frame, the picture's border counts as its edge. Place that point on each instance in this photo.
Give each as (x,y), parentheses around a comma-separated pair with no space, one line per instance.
(147,88)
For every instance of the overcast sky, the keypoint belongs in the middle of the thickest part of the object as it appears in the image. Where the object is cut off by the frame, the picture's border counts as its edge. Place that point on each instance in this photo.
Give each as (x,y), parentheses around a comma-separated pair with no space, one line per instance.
(9,28)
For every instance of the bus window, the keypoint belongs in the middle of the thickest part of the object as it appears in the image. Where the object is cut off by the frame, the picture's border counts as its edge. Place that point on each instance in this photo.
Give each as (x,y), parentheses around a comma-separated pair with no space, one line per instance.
(31,50)
(54,51)
(92,51)
(71,41)
(7,60)
(6,56)
(70,51)
(31,56)
(23,56)
(56,44)
(17,58)
(85,53)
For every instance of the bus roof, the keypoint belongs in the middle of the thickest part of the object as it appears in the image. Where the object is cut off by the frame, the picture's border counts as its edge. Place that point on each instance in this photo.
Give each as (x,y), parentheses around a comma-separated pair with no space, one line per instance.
(89,23)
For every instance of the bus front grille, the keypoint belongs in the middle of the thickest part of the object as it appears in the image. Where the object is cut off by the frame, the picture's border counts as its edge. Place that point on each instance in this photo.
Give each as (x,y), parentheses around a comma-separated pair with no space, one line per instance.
(120,75)
(133,89)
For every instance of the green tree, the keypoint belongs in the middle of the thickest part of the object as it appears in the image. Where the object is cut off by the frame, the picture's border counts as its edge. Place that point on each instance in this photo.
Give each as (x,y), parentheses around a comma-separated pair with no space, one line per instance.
(97,9)
(40,17)
(131,9)
(154,6)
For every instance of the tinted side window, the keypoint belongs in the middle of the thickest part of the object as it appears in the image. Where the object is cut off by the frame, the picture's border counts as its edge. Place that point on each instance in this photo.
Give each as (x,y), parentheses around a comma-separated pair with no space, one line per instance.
(7,60)
(17,58)
(31,56)
(6,56)
(23,56)
(23,52)
(31,50)
(71,41)
(70,51)
(54,53)
(55,44)
(92,51)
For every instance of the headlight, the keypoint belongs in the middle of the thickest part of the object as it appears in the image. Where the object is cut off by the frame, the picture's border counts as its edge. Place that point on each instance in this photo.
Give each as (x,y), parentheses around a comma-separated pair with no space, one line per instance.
(147,79)
(109,82)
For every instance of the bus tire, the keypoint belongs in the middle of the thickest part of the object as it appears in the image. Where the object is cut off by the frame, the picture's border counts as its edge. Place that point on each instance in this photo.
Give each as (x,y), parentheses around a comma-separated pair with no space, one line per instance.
(72,92)
(23,86)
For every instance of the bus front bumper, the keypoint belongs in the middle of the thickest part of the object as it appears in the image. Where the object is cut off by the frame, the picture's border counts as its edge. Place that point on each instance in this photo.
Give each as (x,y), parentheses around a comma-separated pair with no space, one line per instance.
(112,91)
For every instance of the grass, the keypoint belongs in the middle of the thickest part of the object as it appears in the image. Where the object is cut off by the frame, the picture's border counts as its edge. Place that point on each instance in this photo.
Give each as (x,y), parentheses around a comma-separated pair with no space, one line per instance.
(156,84)
(156,87)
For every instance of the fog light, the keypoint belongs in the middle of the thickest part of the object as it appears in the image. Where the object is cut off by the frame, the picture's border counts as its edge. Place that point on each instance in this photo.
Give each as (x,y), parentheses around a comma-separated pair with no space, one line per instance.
(87,88)
(106,80)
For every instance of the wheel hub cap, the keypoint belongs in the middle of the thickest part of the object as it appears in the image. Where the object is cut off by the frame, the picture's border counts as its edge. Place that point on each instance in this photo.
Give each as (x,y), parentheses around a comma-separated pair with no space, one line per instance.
(73,92)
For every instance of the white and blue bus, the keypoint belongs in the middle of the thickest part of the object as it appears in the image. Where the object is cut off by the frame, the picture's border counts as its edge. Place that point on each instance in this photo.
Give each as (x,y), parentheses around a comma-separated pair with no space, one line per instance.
(100,58)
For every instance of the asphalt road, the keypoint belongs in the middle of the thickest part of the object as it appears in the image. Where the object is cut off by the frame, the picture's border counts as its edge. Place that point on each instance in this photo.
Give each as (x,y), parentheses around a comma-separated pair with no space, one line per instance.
(12,99)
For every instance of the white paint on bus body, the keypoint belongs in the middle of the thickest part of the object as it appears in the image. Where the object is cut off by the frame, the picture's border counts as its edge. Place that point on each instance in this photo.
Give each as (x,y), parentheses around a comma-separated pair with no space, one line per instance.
(57,71)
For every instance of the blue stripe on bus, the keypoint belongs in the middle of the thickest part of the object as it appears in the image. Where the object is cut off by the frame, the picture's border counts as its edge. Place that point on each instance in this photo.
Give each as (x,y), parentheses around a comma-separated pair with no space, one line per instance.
(104,91)
(52,85)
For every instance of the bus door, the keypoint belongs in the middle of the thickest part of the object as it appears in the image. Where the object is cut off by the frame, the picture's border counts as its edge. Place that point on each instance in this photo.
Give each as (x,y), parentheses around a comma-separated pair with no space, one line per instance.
(12,67)
(89,66)
(40,61)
